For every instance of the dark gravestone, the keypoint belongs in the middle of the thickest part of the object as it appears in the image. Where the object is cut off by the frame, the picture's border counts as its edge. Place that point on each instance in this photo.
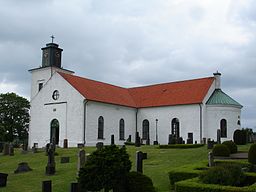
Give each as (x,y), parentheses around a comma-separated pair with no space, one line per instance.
(112,139)
(129,139)
(47,186)
(218,136)
(65,143)
(139,161)
(179,140)
(80,145)
(23,167)
(74,187)
(145,156)
(195,142)
(148,140)
(155,142)
(137,140)
(204,140)
(171,139)
(64,160)
(6,149)
(50,168)
(11,150)
(47,148)
(3,179)
(210,144)
(189,141)
(99,145)
(1,147)
(34,148)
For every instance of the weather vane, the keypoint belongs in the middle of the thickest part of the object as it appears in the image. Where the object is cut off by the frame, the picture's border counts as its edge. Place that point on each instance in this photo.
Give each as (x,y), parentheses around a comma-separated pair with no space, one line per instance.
(52,38)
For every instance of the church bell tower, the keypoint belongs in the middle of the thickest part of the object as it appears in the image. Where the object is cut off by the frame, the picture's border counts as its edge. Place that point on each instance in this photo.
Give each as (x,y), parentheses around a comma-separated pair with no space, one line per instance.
(51,55)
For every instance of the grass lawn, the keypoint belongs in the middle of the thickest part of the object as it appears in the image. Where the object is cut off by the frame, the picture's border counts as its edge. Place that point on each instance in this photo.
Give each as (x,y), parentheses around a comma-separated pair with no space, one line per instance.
(157,166)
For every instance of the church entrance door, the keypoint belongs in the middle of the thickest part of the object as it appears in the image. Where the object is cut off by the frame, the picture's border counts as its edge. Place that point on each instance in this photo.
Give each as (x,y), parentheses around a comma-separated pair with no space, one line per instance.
(55,131)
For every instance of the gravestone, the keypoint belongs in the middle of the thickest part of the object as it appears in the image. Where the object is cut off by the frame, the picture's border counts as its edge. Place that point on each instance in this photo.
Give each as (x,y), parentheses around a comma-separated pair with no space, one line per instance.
(112,139)
(204,140)
(64,160)
(129,139)
(148,140)
(80,145)
(22,167)
(1,147)
(65,143)
(137,140)
(35,148)
(47,146)
(11,150)
(155,142)
(24,148)
(189,141)
(6,149)
(81,160)
(179,140)
(140,156)
(210,144)
(210,159)
(3,179)
(171,139)
(50,168)
(218,136)
(47,186)
(74,187)
(99,145)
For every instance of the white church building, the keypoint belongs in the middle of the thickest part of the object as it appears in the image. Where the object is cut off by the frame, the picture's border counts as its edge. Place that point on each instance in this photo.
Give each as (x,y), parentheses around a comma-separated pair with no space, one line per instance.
(80,110)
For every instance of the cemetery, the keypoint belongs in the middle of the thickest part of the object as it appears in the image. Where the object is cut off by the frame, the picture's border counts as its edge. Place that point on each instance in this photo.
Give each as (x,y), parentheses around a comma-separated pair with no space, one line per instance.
(174,167)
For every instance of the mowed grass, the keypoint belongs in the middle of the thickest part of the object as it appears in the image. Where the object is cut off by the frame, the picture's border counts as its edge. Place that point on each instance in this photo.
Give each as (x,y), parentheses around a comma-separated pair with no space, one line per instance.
(157,166)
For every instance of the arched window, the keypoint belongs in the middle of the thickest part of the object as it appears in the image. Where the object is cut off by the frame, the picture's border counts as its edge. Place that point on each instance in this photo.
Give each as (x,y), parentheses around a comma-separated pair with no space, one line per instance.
(145,129)
(121,129)
(175,127)
(223,128)
(100,128)
(55,132)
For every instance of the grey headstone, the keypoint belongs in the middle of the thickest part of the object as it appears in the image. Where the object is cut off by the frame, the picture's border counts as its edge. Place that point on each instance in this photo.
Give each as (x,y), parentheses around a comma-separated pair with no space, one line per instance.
(81,160)
(11,150)
(23,167)
(99,145)
(210,159)
(179,140)
(6,149)
(47,186)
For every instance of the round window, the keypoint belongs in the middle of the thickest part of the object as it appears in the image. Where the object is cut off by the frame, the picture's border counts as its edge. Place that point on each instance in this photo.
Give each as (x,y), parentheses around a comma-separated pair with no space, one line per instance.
(55,95)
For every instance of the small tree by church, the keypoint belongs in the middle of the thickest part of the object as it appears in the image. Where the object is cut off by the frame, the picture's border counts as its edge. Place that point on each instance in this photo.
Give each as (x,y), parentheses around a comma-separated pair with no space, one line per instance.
(106,169)
(14,117)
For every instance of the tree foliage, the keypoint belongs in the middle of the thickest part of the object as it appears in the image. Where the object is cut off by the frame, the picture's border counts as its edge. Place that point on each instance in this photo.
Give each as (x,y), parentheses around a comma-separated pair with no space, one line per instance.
(14,117)
(105,168)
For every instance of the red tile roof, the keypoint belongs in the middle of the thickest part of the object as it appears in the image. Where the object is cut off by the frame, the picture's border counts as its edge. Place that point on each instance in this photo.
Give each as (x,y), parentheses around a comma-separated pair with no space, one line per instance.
(165,94)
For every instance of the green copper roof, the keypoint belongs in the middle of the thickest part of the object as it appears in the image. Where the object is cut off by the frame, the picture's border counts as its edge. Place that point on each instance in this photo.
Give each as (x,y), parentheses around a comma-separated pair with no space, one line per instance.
(220,98)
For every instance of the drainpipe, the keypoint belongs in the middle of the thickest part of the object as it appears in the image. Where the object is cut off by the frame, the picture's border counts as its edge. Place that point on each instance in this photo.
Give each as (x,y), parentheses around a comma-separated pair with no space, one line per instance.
(136,127)
(85,102)
(201,122)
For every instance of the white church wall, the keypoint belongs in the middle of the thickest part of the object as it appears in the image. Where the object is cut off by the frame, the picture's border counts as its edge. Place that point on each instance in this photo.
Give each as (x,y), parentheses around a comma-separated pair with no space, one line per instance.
(214,116)
(68,110)
(112,115)
(188,115)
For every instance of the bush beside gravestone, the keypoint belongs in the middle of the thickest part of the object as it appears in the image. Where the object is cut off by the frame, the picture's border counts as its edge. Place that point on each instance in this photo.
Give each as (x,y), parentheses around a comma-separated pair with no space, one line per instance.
(231,146)
(221,150)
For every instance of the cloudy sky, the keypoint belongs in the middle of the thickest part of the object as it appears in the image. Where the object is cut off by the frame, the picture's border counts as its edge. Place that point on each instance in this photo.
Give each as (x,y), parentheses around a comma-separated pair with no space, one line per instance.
(131,43)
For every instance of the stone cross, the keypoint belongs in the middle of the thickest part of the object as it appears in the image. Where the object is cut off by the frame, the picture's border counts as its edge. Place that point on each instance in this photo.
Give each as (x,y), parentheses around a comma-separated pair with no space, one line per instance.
(50,168)
(139,161)
(81,160)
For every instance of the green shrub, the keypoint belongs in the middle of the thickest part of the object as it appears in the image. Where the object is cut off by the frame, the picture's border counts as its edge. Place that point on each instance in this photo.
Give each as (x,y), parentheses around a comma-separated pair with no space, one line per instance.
(227,174)
(240,137)
(180,146)
(231,146)
(137,182)
(220,150)
(252,154)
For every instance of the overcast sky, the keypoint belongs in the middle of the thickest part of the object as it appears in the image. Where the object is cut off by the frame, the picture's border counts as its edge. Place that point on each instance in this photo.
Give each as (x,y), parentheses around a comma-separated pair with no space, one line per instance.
(134,42)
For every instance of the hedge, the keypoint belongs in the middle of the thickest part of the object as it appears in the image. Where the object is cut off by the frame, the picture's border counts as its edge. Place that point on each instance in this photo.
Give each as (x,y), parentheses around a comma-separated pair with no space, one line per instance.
(194,185)
(180,146)
(185,172)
